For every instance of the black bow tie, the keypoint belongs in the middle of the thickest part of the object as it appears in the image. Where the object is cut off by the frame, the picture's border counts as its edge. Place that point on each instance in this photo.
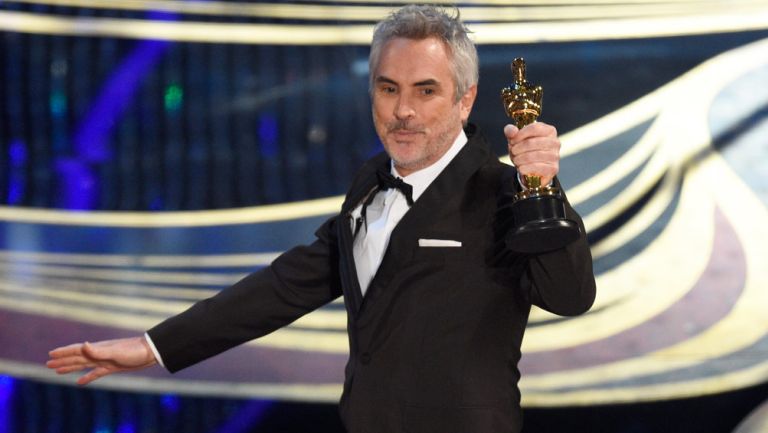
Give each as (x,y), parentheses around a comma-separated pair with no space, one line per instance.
(387,181)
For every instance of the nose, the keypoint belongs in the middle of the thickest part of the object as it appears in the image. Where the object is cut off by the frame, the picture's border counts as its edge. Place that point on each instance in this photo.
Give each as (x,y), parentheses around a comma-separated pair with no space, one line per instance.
(404,109)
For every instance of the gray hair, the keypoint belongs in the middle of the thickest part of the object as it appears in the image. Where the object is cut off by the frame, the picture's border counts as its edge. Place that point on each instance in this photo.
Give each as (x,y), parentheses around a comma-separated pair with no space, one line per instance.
(422,22)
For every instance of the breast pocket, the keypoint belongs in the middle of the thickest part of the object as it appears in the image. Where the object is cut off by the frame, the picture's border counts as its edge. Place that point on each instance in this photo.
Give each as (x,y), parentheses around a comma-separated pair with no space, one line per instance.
(443,248)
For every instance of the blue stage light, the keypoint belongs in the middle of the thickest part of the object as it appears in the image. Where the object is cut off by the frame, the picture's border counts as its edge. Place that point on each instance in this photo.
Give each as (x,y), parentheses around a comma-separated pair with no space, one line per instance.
(7,385)
(17,156)
(268,135)
(92,140)
(126,428)
(78,186)
(17,151)
(249,416)
(170,403)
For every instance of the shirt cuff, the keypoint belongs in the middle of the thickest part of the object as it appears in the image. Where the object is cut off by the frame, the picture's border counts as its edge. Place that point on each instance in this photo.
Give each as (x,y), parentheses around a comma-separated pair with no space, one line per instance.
(154,349)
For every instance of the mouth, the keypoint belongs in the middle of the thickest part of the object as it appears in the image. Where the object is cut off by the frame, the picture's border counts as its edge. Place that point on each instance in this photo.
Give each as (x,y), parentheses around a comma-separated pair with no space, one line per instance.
(405,133)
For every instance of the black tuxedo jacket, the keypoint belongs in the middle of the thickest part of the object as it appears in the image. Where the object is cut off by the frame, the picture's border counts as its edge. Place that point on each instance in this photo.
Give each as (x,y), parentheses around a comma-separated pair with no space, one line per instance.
(435,342)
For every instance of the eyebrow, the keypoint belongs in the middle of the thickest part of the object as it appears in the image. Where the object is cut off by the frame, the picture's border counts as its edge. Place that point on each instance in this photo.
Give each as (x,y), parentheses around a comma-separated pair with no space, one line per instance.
(383,79)
(427,82)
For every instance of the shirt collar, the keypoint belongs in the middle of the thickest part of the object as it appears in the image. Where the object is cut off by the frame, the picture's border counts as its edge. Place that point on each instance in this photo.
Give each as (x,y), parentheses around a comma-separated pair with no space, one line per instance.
(421,179)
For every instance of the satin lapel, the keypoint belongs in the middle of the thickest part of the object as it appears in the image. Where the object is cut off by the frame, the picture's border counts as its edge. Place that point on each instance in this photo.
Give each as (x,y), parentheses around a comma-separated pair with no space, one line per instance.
(364,184)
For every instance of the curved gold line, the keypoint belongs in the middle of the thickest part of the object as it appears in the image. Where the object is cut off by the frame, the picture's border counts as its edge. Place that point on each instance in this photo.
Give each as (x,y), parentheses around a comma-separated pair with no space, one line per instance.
(716,80)
(277,34)
(636,28)
(115,319)
(258,9)
(688,99)
(714,181)
(224,33)
(685,245)
(223,260)
(285,338)
(628,231)
(146,307)
(684,354)
(375,13)
(249,215)
(641,220)
(89,286)
(652,173)
(647,107)
(185,278)
(619,168)
(632,394)
(744,325)
(572,143)
(576,141)
(685,122)
(142,306)
(330,392)
(239,9)
(612,124)
(312,392)
(150,261)
(754,307)
(746,322)
(522,2)
(598,132)
(127,288)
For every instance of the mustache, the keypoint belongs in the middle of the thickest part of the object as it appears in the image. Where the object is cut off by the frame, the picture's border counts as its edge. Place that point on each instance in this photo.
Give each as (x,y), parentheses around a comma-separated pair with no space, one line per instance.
(402,125)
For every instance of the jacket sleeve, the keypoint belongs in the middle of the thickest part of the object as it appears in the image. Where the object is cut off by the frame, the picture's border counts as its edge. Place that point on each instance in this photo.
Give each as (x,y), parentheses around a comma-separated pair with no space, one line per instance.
(562,281)
(297,282)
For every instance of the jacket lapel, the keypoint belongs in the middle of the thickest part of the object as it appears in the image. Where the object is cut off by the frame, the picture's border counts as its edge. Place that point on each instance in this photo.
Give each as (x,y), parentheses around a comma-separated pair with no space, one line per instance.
(364,184)
(445,192)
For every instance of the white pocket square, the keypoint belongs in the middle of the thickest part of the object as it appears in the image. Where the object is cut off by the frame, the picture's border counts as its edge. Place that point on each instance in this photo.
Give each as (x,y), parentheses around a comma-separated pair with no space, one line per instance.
(438,243)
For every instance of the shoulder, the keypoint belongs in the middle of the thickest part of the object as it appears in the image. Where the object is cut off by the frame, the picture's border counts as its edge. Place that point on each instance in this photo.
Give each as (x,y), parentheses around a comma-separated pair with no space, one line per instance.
(492,171)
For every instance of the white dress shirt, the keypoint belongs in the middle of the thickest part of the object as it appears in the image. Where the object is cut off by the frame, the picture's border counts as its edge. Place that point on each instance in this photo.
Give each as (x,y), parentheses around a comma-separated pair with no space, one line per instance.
(386,210)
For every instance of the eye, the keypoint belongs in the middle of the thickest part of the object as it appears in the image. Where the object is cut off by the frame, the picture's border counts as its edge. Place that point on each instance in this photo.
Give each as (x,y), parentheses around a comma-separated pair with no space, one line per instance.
(427,91)
(388,89)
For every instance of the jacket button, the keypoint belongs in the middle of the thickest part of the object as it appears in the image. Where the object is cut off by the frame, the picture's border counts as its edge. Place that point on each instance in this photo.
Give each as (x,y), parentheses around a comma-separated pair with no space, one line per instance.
(365,358)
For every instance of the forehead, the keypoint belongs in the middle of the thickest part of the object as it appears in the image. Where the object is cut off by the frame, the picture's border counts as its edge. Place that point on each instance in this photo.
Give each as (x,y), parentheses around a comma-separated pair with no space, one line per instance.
(413,60)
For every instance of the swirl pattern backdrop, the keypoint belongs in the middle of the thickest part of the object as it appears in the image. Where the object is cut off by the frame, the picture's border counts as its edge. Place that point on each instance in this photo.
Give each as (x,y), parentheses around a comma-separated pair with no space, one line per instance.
(154,152)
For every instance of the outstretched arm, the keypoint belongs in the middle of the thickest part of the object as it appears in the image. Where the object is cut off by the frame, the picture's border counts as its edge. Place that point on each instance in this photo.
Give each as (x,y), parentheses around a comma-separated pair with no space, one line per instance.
(102,358)
(299,281)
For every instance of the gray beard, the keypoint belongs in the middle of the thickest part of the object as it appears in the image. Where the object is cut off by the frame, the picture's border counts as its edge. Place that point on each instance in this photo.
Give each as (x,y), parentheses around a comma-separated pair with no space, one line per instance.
(436,148)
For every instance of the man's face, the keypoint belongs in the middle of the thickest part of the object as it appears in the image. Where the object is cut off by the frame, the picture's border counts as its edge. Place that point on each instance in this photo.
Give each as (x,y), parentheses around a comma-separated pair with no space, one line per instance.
(414,107)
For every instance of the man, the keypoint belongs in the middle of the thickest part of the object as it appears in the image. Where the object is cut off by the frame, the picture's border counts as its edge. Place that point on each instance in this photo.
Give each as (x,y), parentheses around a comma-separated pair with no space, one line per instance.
(435,321)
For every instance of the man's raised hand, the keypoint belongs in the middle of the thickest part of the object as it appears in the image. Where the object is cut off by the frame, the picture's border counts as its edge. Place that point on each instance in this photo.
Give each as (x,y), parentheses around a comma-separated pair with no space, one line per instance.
(534,150)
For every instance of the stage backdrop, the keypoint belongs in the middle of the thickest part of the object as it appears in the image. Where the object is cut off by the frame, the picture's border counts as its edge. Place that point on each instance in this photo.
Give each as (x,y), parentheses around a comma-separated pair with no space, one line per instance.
(152,157)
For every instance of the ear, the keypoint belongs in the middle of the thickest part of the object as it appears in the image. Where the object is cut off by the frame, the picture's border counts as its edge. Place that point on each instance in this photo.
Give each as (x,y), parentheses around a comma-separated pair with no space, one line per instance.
(466,101)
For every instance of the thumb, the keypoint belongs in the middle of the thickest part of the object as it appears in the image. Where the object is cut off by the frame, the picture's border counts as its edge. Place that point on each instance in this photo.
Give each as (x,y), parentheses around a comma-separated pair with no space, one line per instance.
(92,352)
(510,130)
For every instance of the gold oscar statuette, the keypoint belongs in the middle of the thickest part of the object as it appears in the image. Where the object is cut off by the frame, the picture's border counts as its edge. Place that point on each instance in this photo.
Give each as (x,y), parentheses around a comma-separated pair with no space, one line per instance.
(536,213)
